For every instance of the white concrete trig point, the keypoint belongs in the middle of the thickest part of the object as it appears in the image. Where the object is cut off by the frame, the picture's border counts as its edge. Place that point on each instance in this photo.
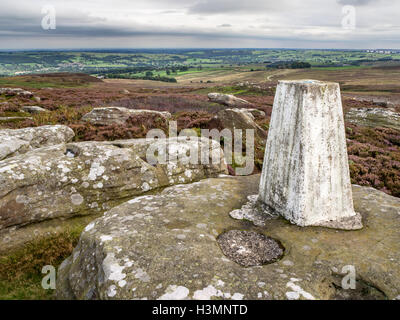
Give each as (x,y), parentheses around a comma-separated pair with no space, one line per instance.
(305,176)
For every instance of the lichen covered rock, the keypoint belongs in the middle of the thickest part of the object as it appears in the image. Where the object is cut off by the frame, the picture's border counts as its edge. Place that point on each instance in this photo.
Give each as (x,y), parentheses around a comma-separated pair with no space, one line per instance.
(164,246)
(254,112)
(89,177)
(241,119)
(20,141)
(119,115)
(374,117)
(34,109)
(227,100)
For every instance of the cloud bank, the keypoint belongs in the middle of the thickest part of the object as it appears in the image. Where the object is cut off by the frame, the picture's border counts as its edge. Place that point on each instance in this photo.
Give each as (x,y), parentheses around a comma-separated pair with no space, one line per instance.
(200,23)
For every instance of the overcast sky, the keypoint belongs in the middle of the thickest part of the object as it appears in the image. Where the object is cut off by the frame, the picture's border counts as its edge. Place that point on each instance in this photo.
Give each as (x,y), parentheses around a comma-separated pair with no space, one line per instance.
(200,23)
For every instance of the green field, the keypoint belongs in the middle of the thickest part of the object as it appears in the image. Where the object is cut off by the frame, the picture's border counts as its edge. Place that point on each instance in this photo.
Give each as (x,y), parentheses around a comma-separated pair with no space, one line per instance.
(163,63)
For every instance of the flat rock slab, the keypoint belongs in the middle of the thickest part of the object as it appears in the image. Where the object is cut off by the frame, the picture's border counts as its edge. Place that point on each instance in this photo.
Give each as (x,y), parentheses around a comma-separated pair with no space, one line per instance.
(34,109)
(227,99)
(374,117)
(15,142)
(165,247)
(119,115)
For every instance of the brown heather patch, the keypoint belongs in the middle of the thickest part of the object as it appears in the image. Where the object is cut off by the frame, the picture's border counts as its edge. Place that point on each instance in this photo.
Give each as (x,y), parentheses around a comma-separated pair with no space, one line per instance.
(60,115)
(374,158)
(138,127)
(5,108)
(87,132)
(350,103)
(172,103)
(193,119)
(60,79)
(76,97)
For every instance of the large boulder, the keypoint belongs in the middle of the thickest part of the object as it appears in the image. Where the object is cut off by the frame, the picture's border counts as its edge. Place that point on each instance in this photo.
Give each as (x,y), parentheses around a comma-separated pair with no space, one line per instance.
(119,115)
(168,246)
(374,117)
(240,119)
(84,178)
(227,100)
(19,141)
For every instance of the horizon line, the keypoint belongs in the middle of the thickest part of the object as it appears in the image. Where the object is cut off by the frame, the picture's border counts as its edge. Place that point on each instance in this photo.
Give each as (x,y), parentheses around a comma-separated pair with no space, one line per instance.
(188,48)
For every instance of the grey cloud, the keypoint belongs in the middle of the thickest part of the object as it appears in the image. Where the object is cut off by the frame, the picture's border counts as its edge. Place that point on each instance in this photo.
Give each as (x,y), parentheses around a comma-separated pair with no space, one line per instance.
(227,6)
(169,11)
(280,23)
(356,2)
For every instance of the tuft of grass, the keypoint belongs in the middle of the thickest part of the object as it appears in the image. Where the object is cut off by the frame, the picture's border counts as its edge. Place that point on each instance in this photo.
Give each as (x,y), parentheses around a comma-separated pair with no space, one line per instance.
(15,121)
(20,272)
(15,114)
(238,90)
(62,115)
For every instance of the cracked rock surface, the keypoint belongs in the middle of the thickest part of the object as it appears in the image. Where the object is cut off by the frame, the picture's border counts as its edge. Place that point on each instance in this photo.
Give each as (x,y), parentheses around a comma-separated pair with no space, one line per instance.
(119,115)
(164,246)
(15,142)
(76,179)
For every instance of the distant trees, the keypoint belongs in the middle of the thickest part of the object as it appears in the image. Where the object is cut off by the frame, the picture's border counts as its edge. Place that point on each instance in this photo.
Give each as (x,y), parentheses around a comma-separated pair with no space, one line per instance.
(163,79)
(289,65)
(148,76)
(131,63)
(175,69)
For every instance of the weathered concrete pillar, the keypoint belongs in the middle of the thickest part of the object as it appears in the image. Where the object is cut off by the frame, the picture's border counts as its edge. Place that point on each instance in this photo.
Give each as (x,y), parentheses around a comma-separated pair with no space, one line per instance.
(305,177)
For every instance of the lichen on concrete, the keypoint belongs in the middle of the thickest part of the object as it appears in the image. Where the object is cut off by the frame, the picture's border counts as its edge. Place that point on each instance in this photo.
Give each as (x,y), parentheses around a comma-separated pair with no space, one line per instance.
(305,176)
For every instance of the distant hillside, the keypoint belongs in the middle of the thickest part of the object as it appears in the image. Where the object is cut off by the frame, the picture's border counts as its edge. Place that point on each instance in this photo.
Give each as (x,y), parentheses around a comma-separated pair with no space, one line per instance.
(52,80)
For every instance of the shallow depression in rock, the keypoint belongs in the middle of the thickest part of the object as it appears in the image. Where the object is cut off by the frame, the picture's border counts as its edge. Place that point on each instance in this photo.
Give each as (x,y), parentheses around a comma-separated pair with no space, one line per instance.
(249,248)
